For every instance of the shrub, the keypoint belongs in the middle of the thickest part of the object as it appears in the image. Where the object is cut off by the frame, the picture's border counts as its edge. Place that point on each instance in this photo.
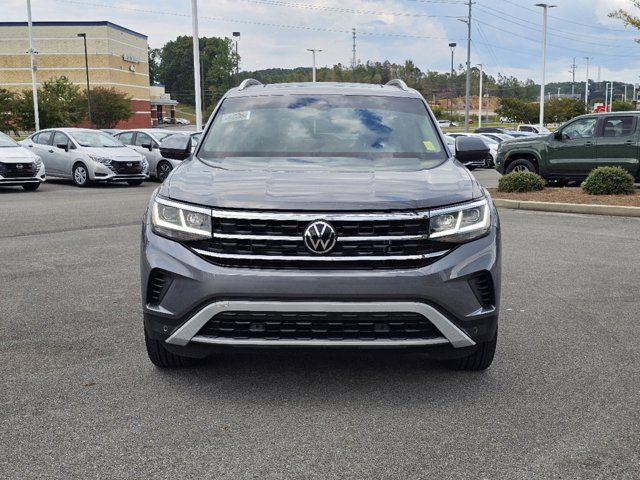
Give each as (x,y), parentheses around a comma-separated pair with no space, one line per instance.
(520,182)
(608,181)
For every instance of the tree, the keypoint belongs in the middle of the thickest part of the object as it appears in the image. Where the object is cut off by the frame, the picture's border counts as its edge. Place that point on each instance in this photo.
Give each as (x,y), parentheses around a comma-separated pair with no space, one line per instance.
(154,64)
(109,106)
(218,63)
(626,17)
(518,110)
(620,106)
(559,110)
(7,100)
(60,104)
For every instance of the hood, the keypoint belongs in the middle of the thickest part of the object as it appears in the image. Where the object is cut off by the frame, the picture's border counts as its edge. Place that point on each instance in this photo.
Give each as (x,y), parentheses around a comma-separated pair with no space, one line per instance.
(16,155)
(532,139)
(115,153)
(320,184)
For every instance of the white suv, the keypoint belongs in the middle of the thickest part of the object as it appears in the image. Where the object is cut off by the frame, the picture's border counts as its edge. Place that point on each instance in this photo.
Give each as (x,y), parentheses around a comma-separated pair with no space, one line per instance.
(87,156)
(19,166)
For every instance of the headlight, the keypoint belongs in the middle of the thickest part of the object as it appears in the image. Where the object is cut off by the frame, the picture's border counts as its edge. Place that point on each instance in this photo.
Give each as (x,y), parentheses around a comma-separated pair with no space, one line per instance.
(180,222)
(102,160)
(38,162)
(460,224)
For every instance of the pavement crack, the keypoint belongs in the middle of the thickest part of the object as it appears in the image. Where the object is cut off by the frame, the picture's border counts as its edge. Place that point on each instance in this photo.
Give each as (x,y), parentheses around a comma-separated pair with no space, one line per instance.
(75,229)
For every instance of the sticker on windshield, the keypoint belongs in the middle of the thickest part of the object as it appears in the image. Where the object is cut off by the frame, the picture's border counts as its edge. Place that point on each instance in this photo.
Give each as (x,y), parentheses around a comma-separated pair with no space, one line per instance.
(236,117)
(429,146)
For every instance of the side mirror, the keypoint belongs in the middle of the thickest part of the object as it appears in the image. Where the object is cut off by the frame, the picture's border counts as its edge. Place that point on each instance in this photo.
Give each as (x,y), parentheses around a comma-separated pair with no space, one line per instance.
(63,146)
(471,149)
(147,146)
(176,147)
(558,135)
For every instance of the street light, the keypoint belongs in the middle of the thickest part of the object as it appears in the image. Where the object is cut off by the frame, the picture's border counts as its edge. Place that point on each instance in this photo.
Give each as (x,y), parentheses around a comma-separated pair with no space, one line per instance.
(545,7)
(313,52)
(480,99)
(86,69)
(236,35)
(34,69)
(452,46)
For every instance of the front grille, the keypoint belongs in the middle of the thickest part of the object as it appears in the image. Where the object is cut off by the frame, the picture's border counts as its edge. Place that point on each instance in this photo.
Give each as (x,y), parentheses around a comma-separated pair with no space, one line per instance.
(18,170)
(319,326)
(276,240)
(482,287)
(126,167)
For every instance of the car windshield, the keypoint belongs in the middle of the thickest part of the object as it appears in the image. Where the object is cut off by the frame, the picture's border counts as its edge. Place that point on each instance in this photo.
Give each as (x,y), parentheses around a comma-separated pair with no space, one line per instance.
(6,141)
(95,139)
(340,126)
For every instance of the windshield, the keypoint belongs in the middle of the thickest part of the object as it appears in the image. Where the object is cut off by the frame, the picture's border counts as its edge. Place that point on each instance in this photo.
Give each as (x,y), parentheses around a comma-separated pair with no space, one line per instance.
(95,139)
(345,126)
(6,141)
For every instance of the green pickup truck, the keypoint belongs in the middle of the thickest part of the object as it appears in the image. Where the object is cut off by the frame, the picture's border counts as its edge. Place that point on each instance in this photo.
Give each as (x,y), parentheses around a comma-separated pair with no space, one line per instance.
(576,148)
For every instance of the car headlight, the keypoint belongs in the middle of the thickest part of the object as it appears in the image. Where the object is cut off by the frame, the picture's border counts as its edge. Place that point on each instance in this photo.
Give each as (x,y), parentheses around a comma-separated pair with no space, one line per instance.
(102,160)
(460,224)
(180,222)
(38,162)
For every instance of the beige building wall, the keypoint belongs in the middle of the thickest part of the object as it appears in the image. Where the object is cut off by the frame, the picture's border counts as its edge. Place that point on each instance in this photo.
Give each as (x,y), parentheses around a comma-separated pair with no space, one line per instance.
(117,58)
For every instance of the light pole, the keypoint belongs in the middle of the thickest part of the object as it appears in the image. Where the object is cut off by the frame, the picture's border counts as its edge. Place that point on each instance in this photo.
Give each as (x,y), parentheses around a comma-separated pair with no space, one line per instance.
(452,46)
(545,7)
(480,99)
(468,83)
(586,86)
(34,69)
(196,64)
(313,54)
(236,35)
(86,69)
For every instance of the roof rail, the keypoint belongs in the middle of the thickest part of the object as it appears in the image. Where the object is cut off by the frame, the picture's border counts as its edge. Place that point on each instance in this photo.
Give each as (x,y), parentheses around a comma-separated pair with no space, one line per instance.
(249,82)
(396,82)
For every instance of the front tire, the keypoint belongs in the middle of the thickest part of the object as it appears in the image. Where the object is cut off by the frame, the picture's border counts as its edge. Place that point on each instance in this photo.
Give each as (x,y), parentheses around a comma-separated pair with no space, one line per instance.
(522,165)
(81,175)
(479,360)
(163,170)
(162,358)
(31,187)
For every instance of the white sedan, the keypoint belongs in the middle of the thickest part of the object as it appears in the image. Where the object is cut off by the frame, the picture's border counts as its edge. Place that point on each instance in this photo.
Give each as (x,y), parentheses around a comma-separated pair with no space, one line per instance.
(491,144)
(19,166)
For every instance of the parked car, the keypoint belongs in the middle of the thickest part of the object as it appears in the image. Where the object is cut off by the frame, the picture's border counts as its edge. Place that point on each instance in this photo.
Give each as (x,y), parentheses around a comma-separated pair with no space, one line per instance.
(537,129)
(87,156)
(146,141)
(182,121)
(166,120)
(19,166)
(321,215)
(111,131)
(498,137)
(492,145)
(576,148)
(447,123)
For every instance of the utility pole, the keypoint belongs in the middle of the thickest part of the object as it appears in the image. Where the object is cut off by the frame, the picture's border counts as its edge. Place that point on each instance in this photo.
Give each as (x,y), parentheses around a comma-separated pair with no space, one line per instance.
(34,69)
(236,35)
(480,99)
(573,77)
(586,86)
(86,67)
(545,7)
(353,60)
(196,64)
(452,46)
(313,53)
(468,86)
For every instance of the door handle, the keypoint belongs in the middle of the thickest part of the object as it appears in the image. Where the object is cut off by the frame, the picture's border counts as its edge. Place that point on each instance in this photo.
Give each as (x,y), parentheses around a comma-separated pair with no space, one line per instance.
(50,151)
(629,143)
(588,144)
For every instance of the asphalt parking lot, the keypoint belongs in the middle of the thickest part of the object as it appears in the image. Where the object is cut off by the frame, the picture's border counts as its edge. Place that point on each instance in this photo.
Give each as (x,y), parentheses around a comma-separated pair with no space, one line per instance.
(79,398)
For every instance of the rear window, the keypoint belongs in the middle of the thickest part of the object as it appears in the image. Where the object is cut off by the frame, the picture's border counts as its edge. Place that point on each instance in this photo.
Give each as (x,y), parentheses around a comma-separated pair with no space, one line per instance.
(364,127)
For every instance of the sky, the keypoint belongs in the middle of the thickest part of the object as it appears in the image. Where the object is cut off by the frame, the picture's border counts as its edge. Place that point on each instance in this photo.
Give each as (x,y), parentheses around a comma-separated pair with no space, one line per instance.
(506,34)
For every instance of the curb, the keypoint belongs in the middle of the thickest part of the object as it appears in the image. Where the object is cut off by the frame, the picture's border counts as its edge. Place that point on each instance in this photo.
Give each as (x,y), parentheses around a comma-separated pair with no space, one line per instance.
(611,210)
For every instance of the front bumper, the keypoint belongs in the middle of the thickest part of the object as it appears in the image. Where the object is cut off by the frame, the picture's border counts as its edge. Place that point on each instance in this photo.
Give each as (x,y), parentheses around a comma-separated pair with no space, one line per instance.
(39,177)
(199,290)
(99,172)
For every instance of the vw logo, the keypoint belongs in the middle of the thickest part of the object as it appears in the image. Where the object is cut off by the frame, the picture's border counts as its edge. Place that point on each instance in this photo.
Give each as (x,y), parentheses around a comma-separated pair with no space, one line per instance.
(320,237)
(19,166)
(129,164)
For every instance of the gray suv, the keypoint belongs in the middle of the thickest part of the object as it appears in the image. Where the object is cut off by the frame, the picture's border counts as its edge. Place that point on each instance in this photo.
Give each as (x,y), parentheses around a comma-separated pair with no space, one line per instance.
(321,215)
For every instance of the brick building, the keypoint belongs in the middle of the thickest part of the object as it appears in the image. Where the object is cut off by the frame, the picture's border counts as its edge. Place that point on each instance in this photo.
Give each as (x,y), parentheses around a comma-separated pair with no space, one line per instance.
(117,58)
